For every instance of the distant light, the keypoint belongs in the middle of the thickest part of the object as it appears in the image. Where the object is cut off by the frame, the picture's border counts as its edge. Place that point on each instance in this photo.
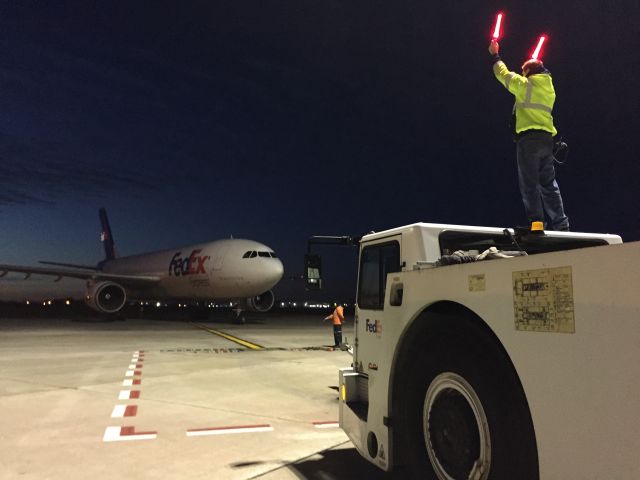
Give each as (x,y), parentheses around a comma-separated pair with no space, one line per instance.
(28,302)
(157,304)
(68,302)
(49,302)
(295,304)
(536,52)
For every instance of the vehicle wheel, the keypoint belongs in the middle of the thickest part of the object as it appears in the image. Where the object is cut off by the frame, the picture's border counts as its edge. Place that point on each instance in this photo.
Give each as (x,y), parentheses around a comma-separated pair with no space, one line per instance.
(463,410)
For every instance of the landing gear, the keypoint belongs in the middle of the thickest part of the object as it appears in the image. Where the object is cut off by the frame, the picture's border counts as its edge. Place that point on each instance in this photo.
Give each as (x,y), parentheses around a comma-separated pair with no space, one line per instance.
(240,319)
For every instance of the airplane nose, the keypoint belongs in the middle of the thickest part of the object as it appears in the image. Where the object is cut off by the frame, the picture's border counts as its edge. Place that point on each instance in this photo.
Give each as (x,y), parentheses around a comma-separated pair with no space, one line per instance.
(277,270)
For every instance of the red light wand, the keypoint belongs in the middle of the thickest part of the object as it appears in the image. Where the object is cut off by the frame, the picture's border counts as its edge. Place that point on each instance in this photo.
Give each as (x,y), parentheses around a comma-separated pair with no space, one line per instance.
(496,30)
(536,52)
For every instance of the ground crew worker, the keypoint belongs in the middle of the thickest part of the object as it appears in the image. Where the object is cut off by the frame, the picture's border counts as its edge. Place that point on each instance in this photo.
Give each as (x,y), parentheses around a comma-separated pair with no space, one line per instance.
(337,317)
(534,130)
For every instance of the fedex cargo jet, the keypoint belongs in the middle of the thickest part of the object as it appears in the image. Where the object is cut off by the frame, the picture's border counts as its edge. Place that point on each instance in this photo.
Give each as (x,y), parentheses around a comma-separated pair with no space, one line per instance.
(235,270)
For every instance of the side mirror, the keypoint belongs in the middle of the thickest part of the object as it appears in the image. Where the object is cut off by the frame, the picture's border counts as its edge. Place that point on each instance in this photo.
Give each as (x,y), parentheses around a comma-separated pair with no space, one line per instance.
(312,271)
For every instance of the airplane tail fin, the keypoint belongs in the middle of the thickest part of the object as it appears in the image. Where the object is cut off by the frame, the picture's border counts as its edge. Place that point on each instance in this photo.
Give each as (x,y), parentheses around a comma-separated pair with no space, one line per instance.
(106,237)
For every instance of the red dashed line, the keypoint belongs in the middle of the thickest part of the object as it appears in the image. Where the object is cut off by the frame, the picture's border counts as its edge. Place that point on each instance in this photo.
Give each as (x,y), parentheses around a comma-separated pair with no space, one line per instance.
(120,411)
(116,434)
(131,411)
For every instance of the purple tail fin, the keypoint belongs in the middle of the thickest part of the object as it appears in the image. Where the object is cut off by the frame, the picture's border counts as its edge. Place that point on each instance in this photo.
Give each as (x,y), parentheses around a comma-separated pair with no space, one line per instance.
(106,237)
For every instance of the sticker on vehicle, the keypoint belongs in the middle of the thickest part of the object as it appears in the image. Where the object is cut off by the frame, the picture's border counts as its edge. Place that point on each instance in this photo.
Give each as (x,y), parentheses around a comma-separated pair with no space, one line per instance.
(543,300)
(477,283)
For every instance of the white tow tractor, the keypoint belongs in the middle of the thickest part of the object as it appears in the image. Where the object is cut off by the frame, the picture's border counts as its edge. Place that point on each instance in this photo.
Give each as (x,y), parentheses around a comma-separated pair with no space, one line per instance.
(516,365)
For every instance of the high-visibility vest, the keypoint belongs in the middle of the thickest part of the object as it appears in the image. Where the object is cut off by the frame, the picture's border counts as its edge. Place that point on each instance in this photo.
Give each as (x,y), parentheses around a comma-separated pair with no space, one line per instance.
(535,97)
(338,315)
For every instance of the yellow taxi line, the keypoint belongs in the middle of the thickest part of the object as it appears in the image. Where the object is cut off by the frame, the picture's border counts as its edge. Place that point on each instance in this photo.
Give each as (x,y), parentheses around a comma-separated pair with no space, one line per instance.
(244,343)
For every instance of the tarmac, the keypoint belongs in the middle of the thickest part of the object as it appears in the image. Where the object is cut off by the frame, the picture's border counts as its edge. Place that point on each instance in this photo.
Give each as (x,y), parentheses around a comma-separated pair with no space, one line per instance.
(148,398)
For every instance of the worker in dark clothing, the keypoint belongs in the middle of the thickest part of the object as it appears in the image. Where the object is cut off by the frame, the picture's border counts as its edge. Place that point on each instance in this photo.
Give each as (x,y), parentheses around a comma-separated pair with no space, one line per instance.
(337,317)
(534,99)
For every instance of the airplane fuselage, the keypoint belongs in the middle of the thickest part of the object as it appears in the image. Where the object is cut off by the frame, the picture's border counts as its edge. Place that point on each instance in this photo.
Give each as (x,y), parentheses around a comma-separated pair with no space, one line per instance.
(222,270)
(242,271)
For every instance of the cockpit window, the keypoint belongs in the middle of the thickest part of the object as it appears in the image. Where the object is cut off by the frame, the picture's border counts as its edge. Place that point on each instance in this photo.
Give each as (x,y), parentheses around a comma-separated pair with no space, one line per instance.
(254,254)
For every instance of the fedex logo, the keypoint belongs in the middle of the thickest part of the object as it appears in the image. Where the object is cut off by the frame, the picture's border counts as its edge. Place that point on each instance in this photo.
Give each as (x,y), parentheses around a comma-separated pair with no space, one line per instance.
(373,327)
(191,265)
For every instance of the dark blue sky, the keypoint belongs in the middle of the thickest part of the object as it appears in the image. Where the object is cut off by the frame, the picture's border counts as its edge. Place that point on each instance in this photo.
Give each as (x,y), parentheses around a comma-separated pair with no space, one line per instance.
(195,120)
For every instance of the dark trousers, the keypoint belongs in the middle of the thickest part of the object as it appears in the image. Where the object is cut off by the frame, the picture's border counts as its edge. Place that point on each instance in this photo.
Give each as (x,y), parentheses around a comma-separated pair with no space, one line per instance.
(337,335)
(537,178)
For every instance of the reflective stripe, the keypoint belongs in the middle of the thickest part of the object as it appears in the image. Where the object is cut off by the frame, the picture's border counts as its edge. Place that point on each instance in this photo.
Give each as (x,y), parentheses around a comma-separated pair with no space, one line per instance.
(527,95)
(527,101)
(507,80)
(534,106)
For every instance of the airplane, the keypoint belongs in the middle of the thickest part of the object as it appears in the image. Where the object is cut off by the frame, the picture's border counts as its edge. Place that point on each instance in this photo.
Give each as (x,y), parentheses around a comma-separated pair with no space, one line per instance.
(236,270)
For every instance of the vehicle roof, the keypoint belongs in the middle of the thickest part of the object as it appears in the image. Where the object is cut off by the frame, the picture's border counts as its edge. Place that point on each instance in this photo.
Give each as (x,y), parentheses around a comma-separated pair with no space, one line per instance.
(436,228)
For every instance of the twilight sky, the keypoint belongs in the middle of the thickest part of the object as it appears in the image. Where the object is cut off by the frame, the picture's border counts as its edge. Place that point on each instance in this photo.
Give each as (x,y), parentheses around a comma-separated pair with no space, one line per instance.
(276,120)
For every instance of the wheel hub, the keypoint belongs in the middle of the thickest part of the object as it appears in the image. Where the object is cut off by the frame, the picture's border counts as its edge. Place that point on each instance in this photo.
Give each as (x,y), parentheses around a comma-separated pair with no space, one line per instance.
(456,430)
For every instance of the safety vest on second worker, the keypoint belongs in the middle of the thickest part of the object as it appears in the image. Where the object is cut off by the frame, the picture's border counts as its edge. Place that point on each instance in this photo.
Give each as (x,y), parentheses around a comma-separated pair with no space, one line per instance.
(535,97)
(338,315)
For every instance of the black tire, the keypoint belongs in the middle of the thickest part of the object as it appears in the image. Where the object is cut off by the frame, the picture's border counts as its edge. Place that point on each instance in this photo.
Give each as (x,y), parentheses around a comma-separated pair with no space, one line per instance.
(453,383)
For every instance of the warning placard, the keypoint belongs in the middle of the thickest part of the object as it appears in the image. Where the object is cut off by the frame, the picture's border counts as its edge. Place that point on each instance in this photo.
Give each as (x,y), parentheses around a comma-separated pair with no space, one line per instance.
(543,300)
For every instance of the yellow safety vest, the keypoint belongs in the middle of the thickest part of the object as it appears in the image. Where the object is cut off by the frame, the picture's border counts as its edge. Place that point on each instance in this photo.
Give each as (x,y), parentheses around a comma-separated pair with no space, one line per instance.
(535,97)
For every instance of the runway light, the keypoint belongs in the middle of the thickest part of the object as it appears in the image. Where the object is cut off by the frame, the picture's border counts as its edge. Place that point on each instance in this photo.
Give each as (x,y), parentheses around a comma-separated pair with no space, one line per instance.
(497,28)
(537,52)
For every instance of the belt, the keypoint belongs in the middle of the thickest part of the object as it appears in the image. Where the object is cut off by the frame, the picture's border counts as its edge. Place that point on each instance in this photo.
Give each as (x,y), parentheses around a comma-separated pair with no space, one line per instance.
(531,131)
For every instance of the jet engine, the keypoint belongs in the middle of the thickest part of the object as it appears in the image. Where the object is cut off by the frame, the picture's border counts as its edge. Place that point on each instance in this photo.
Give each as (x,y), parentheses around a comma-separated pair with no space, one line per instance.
(105,297)
(260,303)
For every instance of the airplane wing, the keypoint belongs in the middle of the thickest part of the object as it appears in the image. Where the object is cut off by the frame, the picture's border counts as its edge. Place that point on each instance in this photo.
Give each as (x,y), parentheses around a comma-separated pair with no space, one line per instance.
(135,280)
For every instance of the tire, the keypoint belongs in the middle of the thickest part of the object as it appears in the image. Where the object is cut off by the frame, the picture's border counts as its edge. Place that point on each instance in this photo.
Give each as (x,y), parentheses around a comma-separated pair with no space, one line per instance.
(462,412)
